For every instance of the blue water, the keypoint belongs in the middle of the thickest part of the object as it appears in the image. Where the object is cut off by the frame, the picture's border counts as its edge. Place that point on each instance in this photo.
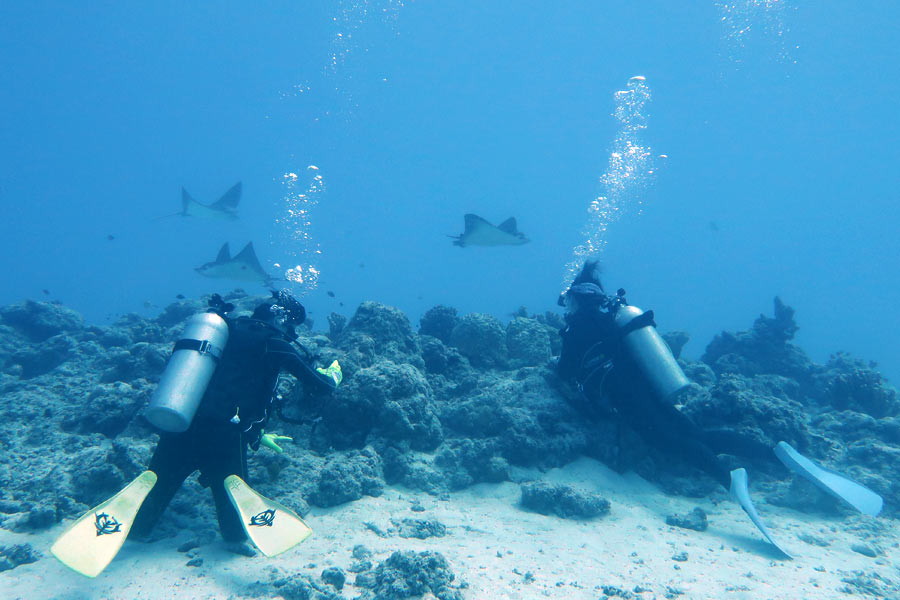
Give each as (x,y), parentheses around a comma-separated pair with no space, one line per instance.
(778,121)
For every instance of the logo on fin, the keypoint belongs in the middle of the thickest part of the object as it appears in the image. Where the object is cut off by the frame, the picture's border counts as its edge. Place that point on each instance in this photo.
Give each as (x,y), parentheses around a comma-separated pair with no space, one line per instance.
(106,524)
(264,519)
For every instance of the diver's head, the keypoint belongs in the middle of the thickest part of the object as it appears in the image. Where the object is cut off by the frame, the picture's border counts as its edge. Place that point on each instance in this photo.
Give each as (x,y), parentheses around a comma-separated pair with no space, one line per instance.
(283,311)
(217,304)
(586,290)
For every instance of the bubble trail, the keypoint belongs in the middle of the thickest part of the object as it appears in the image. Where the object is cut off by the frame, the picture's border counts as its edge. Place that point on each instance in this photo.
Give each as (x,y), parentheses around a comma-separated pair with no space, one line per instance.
(302,195)
(628,173)
(757,23)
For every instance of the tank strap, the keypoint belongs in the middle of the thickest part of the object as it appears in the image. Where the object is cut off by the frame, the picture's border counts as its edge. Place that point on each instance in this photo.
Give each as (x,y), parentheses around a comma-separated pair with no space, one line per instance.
(639,322)
(201,346)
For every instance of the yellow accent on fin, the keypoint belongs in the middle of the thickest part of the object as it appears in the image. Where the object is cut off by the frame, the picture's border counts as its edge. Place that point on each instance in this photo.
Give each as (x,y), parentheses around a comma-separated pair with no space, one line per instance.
(89,545)
(271,526)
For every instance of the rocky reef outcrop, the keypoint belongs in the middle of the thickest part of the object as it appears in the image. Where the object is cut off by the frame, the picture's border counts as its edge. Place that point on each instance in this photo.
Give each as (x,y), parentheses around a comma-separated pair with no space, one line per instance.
(465,399)
(563,501)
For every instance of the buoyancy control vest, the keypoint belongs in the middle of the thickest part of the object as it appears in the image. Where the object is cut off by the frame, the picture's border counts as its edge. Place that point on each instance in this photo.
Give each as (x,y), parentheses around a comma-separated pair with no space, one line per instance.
(625,341)
(241,390)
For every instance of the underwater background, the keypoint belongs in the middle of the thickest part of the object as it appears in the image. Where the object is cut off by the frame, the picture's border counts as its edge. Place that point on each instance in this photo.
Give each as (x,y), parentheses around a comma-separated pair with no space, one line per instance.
(777,121)
(732,164)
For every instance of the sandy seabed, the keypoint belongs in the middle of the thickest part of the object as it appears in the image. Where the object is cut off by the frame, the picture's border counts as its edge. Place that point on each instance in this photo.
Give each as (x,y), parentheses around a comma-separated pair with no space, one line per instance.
(504,552)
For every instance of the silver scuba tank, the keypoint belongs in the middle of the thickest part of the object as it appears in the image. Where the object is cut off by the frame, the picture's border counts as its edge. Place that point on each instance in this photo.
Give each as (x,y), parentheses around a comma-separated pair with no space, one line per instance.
(650,353)
(191,366)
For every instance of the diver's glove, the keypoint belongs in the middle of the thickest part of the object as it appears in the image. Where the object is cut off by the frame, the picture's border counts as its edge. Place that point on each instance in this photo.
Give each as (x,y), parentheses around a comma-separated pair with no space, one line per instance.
(334,371)
(270,441)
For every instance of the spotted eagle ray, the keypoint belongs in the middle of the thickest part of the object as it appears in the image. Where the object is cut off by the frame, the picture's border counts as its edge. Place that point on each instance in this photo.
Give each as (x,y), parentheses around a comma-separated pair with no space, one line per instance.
(242,267)
(223,208)
(479,232)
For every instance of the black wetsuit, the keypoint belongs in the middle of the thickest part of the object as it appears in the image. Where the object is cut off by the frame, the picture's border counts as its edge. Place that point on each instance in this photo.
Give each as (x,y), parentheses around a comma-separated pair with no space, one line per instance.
(242,386)
(592,357)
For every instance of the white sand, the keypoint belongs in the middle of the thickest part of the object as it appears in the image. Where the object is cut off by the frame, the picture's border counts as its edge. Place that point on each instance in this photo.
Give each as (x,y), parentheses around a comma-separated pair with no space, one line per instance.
(492,544)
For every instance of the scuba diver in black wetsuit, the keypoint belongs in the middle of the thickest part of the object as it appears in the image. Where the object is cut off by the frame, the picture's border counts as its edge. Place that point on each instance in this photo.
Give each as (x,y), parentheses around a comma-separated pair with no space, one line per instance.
(619,363)
(233,411)
(212,402)
(638,381)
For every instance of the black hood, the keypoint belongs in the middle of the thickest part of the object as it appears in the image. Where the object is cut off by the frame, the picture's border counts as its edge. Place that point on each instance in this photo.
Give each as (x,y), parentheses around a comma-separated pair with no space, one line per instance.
(586,288)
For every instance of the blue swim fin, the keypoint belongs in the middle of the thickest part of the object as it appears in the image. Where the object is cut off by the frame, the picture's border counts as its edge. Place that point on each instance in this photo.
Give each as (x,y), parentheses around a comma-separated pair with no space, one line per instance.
(855,494)
(741,492)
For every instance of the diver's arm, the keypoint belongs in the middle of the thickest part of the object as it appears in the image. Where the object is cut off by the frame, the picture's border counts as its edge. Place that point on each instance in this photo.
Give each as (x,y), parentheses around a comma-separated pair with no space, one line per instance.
(290,360)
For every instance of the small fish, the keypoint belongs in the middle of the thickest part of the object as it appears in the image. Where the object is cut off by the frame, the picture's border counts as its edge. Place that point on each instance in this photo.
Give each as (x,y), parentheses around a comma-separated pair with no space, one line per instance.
(180,296)
(110,237)
(479,232)
(223,208)
(341,303)
(330,294)
(46,292)
(243,267)
(714,226)
(148,305)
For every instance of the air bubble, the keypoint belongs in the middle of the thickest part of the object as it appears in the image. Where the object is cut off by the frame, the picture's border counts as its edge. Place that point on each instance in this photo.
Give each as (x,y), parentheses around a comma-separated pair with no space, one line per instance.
(629,170)
(302,194)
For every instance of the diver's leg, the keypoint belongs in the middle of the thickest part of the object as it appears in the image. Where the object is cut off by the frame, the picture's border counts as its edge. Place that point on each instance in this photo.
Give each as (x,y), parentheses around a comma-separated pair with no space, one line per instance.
(230,460)
(173,460)
(665,427)
(676,432)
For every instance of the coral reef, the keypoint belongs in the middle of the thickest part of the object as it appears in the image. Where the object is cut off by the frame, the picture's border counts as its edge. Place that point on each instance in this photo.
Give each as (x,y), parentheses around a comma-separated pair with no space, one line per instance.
(676,341)
(302,587)
(563,501)
(410,574)
(528,342)
(463,401)
(348,477)
(439,322)
(15,555)
(334,577)
(696,520)
(766,348)
(420,528)
(388,400)
(336,323)
(851,384)
(480,338)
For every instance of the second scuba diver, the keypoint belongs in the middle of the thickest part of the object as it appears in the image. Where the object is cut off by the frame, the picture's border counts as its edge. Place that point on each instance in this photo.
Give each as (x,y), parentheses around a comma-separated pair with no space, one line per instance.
(212,402)
(618,362)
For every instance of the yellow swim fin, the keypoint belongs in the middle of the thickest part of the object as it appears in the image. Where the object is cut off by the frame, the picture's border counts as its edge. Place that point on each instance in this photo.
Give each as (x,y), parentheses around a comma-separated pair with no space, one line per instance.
(89,545)
(271,526)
